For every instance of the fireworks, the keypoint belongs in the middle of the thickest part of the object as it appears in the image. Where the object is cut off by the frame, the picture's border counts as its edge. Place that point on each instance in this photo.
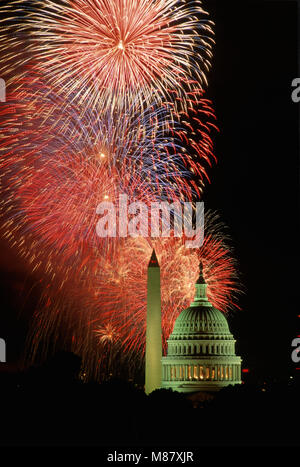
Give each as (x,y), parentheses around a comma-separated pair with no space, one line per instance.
(60,164)
(104,52)
(107,334)
(107,99)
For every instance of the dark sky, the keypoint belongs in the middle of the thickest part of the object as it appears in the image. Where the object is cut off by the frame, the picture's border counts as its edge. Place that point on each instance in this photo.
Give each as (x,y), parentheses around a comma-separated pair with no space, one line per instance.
(255,186)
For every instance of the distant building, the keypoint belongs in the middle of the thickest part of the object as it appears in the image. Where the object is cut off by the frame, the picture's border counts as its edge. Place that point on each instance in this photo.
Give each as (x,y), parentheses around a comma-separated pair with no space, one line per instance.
(201,349)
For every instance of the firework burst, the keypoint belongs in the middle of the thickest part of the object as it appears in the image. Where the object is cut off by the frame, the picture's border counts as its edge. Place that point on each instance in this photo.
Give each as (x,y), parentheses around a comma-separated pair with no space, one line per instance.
(102,53)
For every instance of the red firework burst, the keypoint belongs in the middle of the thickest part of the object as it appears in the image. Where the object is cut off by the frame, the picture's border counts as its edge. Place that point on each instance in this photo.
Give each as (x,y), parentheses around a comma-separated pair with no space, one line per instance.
(108,52)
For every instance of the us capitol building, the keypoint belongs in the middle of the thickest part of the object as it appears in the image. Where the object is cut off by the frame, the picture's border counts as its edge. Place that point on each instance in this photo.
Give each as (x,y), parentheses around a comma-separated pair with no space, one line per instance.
(201,349)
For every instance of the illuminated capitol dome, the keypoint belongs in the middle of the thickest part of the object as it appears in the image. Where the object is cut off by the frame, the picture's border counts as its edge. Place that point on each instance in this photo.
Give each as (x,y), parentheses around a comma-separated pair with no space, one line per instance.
(201,349)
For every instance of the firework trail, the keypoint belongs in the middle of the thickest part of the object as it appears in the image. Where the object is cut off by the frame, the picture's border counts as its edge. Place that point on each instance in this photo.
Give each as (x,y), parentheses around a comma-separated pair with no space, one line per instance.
(102,53)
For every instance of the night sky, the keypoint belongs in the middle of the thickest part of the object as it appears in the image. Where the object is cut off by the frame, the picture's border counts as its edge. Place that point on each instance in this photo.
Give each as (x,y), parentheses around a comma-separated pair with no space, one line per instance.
(255,185)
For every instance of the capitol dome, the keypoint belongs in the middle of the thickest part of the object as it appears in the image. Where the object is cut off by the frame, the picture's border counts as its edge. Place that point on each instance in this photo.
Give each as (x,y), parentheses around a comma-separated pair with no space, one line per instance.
(201,349)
